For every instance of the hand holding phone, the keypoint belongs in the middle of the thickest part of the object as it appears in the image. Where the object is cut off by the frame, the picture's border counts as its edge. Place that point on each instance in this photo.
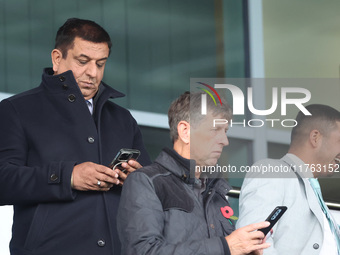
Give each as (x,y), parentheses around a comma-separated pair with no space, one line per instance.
(273,218)
(124,155)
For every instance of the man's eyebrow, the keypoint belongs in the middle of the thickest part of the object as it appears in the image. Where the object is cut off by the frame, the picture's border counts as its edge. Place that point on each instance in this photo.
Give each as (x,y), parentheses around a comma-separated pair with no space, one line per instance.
(85,56)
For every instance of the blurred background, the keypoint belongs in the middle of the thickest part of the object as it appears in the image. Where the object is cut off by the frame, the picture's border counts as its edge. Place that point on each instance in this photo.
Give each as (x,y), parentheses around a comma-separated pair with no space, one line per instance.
(158,45)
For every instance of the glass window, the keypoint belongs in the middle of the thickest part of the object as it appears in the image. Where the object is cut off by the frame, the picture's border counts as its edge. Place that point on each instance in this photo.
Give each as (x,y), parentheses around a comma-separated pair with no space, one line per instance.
(305,47)
(157,44)
(155,139)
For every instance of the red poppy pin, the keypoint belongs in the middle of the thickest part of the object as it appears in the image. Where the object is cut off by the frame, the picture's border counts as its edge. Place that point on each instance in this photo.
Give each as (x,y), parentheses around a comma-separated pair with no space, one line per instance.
(228,213)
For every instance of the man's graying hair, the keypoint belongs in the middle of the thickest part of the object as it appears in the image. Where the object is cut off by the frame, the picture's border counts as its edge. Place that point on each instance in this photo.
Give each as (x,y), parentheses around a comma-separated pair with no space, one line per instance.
(187,107)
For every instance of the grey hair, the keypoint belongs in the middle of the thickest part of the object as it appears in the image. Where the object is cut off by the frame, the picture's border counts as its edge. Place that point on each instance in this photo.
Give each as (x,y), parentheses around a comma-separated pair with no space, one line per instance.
(187,107)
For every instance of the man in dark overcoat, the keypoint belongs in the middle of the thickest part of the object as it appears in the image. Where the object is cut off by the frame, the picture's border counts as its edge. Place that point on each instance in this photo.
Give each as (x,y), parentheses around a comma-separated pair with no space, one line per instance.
(56,142)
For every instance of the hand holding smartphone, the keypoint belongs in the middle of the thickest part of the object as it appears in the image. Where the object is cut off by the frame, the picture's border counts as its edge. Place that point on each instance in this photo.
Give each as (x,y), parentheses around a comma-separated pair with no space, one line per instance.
(273,217)
(124,155)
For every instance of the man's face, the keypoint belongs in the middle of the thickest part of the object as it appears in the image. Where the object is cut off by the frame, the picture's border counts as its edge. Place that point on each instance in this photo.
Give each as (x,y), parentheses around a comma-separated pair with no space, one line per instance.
(329,152)
(207,141)
(87,62)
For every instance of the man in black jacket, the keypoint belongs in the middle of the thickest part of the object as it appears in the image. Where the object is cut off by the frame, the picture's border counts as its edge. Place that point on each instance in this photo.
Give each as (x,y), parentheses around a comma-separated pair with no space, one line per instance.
(56,143)
(169,207)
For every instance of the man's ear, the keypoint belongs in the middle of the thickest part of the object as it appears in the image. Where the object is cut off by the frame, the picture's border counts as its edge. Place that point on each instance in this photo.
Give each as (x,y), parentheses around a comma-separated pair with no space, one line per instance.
(56,56)
(183,129)
(315,138)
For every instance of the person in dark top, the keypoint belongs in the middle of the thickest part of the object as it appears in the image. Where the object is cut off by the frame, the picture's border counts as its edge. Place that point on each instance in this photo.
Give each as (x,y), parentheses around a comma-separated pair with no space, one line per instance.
(56,143)
(170,207)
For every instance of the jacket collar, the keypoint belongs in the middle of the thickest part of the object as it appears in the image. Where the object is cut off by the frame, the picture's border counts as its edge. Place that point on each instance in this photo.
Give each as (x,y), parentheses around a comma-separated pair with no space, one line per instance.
(66,82)
(297,165)
(176,164)
(185,170)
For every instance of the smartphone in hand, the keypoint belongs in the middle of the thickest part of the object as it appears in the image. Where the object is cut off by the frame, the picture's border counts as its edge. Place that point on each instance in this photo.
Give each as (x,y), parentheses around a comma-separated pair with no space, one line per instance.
(273,218)
(124,155)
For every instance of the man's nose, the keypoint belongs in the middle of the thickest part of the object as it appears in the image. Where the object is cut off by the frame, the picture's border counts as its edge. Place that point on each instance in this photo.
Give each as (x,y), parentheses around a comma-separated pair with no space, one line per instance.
(224,140)
(91,69)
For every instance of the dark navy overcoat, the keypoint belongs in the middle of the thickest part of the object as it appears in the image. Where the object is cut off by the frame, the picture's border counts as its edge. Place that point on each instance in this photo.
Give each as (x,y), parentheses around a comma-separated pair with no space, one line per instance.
(44,132)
